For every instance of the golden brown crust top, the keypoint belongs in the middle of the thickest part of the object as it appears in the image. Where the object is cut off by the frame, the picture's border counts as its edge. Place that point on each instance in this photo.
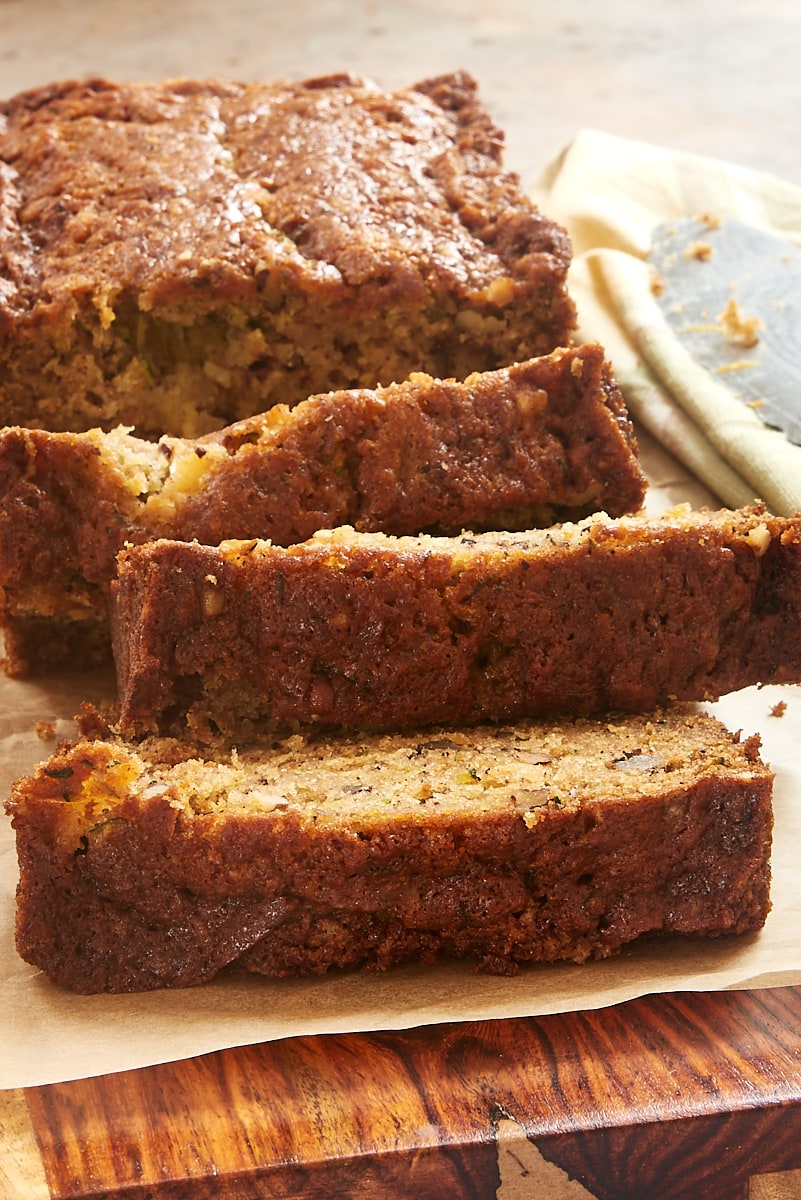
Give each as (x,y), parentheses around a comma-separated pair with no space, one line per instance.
(156,188)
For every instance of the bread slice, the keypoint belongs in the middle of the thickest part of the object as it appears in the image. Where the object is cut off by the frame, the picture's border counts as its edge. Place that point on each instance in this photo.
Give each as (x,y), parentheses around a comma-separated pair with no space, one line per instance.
(176,256)
(531,444)
(159,865)
(364,630)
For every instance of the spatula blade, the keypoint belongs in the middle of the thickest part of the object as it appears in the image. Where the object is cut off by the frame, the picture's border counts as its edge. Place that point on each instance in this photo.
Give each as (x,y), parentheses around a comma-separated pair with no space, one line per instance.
(732,295)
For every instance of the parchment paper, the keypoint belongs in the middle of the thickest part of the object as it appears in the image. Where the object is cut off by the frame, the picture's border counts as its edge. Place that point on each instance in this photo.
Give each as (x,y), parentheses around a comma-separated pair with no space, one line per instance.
(50,1035)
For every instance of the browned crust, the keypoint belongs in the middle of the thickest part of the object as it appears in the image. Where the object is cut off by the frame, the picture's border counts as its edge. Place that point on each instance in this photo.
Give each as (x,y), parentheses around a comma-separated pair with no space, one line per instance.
(538,442)
(205,138)
(156,897)
(164,205)
(361,630)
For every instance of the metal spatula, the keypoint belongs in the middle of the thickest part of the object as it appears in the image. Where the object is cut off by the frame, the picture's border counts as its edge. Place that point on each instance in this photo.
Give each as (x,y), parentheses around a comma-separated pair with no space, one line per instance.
(732,294)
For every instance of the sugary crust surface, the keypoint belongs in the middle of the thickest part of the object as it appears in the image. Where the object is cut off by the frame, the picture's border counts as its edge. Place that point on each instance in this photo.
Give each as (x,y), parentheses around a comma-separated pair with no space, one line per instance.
(152,867)
(364,630)
(121,203)
(523,446)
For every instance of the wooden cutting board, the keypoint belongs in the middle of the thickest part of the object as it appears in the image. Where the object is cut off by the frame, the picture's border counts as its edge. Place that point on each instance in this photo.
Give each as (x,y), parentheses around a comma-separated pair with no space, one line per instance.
(685,1096)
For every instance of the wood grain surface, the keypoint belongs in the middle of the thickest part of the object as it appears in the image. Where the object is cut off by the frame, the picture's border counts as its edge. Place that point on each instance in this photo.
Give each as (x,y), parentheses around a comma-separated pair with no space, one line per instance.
(673,1096)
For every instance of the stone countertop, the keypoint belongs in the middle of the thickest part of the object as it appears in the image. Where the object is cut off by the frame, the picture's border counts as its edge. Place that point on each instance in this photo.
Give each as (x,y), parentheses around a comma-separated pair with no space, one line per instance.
(692,75)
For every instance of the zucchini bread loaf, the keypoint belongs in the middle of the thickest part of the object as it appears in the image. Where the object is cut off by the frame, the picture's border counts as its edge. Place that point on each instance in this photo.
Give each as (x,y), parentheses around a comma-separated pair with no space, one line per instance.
(530,444)
(151,866)
(178,256)
(351,629)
